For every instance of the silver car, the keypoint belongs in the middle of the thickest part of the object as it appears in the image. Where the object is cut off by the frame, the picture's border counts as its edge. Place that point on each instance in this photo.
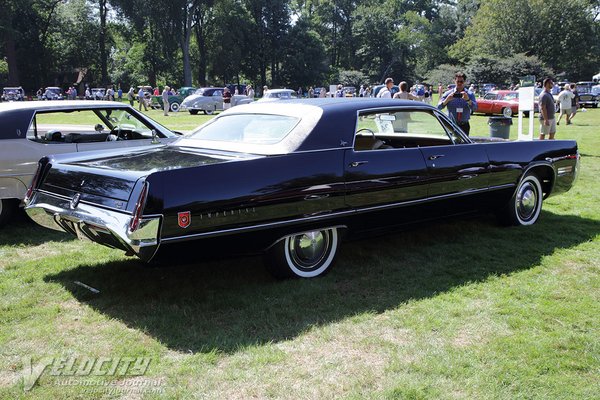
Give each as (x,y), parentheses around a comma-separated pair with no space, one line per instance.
(31,130)
(210,99)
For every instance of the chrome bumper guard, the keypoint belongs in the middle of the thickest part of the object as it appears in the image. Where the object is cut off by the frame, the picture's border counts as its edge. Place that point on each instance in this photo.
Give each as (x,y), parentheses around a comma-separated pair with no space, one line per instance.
(88,222)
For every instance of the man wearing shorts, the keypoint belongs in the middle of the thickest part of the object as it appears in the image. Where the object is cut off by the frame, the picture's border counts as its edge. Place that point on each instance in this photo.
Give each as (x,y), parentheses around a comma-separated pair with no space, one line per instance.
(575,101)
(546,105)
(564,99)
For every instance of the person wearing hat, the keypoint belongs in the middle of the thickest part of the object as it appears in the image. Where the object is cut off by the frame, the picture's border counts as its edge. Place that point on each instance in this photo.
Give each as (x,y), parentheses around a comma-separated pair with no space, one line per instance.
(250,91)
(165,100)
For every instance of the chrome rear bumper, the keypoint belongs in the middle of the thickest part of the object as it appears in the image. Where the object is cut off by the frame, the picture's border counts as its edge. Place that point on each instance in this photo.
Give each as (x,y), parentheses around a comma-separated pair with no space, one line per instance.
(89,222)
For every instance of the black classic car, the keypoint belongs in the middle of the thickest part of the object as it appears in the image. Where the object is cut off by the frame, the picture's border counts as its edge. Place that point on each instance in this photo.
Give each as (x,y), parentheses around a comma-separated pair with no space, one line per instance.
(291,178)
(587,96)
(13,94)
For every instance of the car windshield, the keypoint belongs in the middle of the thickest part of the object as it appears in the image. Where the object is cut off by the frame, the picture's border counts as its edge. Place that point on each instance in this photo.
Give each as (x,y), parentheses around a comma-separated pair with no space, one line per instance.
(511,96)
(246,128)
(583,89)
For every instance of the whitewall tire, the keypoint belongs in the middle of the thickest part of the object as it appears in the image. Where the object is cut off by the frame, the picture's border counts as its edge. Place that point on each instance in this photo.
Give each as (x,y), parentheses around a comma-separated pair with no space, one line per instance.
(525,205)
(304,255)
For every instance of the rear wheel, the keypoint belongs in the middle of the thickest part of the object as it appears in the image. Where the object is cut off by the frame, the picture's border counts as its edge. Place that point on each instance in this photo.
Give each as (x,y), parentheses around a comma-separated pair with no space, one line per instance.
(526,204)
(8,208)
(174,106)
(304,255)
(209,110)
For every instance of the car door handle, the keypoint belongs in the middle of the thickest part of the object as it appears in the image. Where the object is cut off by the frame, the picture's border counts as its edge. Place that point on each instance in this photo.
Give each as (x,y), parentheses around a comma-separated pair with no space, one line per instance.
(435,157)
(467,176)
(316,196)
(355,164)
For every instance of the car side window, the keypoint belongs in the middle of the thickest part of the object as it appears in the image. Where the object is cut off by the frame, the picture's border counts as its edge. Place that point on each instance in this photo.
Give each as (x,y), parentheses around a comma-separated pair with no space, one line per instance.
(86,126)
(490,96)
(397,129)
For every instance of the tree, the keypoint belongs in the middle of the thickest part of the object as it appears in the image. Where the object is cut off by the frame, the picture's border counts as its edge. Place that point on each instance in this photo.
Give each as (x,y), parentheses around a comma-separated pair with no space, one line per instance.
(304,62)
(552,30)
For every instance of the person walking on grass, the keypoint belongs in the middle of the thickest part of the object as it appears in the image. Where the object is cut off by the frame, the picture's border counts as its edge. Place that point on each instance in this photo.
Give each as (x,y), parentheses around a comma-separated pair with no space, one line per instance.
(165,100)
(142,99)
(574,101)
(565,98)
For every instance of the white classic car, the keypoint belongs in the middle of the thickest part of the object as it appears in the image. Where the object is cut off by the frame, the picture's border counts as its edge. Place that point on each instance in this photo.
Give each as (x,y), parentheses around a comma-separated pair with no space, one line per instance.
(31,130)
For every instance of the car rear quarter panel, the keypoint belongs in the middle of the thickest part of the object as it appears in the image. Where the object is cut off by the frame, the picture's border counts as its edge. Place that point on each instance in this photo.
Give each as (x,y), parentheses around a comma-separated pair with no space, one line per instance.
(510,160)
(249,192)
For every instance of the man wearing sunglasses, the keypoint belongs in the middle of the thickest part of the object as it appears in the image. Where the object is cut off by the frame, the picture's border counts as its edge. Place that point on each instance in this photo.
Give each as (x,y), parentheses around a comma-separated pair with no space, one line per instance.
(460,102)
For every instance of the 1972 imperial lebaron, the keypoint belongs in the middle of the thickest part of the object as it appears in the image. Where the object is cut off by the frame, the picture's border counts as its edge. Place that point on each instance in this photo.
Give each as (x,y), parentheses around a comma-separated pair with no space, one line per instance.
(290,178)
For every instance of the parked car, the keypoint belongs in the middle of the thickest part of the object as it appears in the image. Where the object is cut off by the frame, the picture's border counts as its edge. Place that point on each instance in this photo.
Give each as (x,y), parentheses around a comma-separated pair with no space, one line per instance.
(175,100)
(53,93)
(587,98)
(505,102)
(291,178)
(278,94)
(210,99)
(349,91)
(13,94)
(31,130)
(487,87)
(98,94)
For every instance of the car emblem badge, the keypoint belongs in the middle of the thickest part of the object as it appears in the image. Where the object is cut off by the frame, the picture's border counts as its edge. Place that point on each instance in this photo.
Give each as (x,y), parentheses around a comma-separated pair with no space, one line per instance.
(75,201)
(184,219)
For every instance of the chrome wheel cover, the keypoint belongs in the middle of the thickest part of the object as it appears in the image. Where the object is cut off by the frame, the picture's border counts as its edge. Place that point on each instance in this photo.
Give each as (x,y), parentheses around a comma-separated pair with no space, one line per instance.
(308,250)
(527,201)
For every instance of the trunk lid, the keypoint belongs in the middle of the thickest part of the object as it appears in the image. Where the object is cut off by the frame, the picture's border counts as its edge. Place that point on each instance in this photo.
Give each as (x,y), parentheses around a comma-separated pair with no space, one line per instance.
(110,179)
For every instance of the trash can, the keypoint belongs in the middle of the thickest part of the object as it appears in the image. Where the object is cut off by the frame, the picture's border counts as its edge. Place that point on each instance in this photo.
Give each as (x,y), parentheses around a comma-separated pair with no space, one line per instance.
(500,127)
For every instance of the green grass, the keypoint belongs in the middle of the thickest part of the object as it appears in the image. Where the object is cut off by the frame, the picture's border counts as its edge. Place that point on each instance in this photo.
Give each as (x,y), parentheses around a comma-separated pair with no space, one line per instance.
(456,310)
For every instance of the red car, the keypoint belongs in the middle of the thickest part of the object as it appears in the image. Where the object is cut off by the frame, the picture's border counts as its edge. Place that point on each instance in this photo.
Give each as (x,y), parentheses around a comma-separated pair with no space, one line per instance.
(505,102)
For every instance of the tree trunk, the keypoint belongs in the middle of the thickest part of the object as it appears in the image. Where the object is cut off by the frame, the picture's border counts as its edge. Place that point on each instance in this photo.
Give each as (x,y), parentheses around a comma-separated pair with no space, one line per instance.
(102,44)
(11,58)
(200,38)
(185,47)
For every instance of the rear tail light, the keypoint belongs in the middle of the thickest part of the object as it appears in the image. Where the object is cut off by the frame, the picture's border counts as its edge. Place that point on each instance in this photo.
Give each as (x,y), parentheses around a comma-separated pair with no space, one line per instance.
(34,182)
(139,208)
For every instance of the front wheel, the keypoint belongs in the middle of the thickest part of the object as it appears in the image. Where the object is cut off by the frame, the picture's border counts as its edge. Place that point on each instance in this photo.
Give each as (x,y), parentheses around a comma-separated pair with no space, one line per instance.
(174,107)
(525,205)
(303,255)
(507,112)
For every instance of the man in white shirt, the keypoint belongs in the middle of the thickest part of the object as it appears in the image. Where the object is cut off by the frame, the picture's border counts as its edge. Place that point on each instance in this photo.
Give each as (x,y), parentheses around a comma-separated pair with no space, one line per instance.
(386,92)
(564,98)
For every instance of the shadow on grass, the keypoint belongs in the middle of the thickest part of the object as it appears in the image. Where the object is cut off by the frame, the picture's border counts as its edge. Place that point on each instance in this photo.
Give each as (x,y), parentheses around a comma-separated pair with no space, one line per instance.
(23,231)
(228,304)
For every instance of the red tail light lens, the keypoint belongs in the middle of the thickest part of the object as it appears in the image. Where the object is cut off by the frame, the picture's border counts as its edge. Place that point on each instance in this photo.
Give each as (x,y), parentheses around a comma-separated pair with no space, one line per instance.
(139,208)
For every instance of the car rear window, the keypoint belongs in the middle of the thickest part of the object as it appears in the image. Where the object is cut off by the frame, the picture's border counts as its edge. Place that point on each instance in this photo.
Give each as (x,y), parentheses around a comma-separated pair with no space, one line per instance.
(246,128)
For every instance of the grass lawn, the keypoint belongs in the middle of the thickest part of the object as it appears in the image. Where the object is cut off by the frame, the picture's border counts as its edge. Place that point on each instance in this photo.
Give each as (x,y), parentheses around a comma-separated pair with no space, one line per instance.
(457,310)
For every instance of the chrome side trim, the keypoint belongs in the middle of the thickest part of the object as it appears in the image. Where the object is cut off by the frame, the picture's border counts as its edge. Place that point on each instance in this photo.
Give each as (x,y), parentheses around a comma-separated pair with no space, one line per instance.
(251,228)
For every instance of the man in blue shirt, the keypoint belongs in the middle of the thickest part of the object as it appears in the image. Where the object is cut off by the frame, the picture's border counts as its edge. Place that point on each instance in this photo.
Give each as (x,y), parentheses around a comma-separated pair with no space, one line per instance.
(460,102)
